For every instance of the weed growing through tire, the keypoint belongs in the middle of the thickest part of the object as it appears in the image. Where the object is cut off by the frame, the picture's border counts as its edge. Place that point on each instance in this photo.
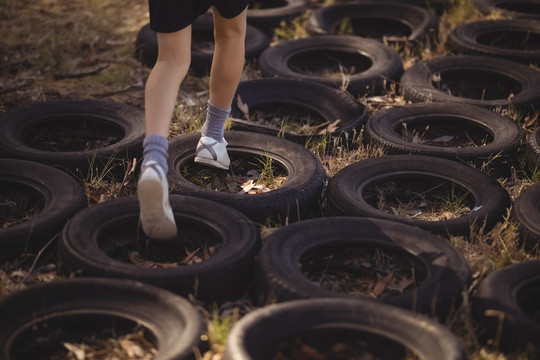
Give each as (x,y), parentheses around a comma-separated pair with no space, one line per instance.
(250,175)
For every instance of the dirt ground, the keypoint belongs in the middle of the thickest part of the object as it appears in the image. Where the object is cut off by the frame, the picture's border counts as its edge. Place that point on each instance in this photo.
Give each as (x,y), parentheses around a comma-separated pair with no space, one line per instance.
(53,49)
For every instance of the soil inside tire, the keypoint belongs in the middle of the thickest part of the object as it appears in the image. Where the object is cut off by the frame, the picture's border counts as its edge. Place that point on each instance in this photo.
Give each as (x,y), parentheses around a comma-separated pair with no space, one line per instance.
(18,203)
(247,175)
(288,118)
(100,337)
(476,85)
(340,344)
(421,198)
(126,242)
(66,135)
(363,271)
(329,64)
(511,40)
(444,133)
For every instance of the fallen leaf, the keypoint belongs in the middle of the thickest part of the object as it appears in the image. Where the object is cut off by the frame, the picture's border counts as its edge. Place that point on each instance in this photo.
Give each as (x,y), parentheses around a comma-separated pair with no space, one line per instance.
(243,107)
(76,350)
(132,350)
(247,186)
(382,283)
(531,120)
(332,127)
(403,284)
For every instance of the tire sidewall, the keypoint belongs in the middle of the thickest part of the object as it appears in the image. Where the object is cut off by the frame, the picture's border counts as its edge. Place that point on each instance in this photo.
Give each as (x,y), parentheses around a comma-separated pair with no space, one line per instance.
(298,197)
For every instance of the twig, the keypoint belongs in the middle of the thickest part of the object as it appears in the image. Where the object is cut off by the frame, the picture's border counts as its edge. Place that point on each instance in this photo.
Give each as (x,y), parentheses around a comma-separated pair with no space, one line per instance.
(39,255)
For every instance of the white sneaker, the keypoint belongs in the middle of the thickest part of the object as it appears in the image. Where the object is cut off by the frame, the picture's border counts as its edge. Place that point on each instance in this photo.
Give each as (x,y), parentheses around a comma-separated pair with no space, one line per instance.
(156,215)
(213,153)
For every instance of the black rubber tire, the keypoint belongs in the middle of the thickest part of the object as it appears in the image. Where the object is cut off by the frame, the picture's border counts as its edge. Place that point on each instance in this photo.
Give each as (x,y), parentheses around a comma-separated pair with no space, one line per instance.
(329,103)
(224,276)
(503,305)
(172,323)
(526,212)
(255,336)
(345,190)
(61,196)
(384,64)
(506,135)
(279,275)
(490,38)
(387,19)
(128,119)
(417,82)
(435,6)
(532,150)
(146,45)
(514,8)
(269,18)
(297,198)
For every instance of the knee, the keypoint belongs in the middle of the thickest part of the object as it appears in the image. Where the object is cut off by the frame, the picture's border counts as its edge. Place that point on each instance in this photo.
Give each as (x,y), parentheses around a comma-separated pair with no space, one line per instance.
(230,33)
(174,59)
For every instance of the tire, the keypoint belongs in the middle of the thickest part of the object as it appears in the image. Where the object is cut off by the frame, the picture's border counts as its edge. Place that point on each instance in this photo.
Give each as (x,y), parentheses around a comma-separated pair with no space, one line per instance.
(435,6)
(58,196)
(146,45)
(383,128)
(171,323)
(377,20)
(256,335)
(309,97)
(381,64)
(346,190)
(475,73)
(92,241)
(297,198)
(512,39)
(269,18)
(280,276)
(125,120)
(532,150)
(504,306)
(514,8)
(526,212)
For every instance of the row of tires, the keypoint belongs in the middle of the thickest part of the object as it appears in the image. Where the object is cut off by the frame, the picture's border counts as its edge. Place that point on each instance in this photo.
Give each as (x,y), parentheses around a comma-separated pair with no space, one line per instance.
(513,39)
(372,66)
(505,307)
(307,192)
(496,139)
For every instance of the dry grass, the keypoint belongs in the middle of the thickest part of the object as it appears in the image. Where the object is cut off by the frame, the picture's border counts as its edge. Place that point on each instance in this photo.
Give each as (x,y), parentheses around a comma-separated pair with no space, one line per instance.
(60,49)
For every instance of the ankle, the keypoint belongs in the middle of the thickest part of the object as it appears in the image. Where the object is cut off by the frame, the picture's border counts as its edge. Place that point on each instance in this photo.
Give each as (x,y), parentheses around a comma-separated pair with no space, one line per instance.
(215,121)
(155,148)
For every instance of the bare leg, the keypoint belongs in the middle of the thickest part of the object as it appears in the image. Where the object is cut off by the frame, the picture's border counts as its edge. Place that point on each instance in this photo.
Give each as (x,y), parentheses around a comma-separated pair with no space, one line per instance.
(229,54)
(227,66)
(156,215)
(162,86)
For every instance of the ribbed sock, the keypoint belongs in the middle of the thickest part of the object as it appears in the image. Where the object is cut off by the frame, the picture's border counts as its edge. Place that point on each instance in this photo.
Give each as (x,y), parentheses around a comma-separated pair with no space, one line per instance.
(215,121)
(155,147)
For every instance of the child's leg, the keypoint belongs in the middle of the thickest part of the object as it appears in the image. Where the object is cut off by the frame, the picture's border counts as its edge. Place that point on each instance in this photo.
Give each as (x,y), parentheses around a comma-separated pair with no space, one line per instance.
(174,57)
(227,66)
(161,91)
(229,54)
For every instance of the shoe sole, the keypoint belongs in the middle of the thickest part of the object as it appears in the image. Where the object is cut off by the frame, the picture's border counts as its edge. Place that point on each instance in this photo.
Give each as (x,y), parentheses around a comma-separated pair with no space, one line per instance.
(209,162)
(155,222)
